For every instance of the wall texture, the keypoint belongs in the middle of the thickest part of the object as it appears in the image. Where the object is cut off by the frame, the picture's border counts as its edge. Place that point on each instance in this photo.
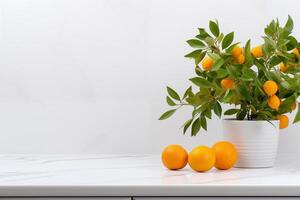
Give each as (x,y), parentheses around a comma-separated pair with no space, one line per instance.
(89,76)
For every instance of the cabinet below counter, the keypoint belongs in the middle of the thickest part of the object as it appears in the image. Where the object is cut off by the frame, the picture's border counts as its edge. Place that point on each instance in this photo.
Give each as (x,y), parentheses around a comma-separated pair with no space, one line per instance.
(128,177)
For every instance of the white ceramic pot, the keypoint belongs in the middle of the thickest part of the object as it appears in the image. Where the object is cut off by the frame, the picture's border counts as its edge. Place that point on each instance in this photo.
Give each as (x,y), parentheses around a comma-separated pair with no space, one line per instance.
(256,141)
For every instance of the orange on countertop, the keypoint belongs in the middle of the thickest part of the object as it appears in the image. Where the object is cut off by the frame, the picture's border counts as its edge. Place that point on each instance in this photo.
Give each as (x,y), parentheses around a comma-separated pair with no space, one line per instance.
(202,158)
(226,155)
(174,157)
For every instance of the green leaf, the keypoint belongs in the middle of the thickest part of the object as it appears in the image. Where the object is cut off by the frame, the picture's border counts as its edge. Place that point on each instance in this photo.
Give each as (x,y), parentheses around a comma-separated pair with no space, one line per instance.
(292,43)
(196,43)
(188,92)
(214,28)
(275,75)
(287,103)
(248,56)
(170,102)
(203,122)
(217,109)
(259,86)
(270,29)
(289,24)
(201,82)
(202,34)
(209,41)
(187,124)
(241,115)
(231,111)
(275,60)
(193,54)
(173,93)
(218,64)
(244,92)
(208,113)
(199,58)
(196,127)
(270,42)
(221,73)
(198,71)
(227,40)
(167,114)
(228,95)
(297,117)
(234,73)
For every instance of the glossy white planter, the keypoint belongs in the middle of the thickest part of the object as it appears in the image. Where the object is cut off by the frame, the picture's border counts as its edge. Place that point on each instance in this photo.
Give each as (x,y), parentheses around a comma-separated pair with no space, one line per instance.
(256,141)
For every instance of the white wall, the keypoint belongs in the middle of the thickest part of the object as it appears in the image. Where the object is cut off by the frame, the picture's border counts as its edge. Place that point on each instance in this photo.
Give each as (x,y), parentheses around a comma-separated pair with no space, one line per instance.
(89,76)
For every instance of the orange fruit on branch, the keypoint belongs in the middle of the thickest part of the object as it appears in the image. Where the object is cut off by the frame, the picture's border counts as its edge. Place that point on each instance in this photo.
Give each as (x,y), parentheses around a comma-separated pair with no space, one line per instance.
(270,87)
(207,63)
(274,102)
(227,83)
(257,51)
(174,157)
(296,52)
(240,59)
(283,121)
(236,51)
(283,67)
(226,155)
(202,158)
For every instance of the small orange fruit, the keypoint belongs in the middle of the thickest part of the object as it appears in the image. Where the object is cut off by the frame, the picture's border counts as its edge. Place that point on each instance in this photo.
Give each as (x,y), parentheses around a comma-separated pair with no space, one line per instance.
(207,63)
(270,88)
(240,59)
(226,155)
(296,52)
(257,51)
(202,158)
(283,121)
(294,106)
(274,102)
(282,67)
(174,157)
(227,83)
(236,51)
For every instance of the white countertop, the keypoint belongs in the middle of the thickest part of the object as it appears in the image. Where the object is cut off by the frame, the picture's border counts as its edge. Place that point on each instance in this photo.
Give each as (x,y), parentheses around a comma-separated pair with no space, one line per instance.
(121,175)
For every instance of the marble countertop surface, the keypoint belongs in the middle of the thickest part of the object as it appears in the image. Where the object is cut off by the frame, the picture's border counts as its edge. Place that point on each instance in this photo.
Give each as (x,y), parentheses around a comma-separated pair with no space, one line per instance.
(139,175)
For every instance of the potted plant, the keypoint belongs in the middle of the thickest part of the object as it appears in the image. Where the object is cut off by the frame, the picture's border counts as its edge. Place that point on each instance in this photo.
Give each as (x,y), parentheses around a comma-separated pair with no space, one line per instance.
(261,84)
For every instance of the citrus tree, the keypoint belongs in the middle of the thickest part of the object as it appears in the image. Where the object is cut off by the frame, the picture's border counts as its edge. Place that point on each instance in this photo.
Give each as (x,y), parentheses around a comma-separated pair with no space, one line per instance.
(261,82)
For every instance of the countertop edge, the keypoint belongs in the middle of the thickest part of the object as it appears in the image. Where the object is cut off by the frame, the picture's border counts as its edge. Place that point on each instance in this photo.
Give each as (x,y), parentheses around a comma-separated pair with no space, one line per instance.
(140,190)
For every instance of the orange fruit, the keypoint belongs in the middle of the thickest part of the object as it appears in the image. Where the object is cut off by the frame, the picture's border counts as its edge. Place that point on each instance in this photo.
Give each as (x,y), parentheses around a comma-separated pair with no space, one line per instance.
(294,106)
(202,158)
(227,83)
(236,51)
(240,59)
(174,157)
(226,155)
(207,63)
(296,52)
(274,102)
(283,121)
(257,51)
(283,67)
(270,88)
